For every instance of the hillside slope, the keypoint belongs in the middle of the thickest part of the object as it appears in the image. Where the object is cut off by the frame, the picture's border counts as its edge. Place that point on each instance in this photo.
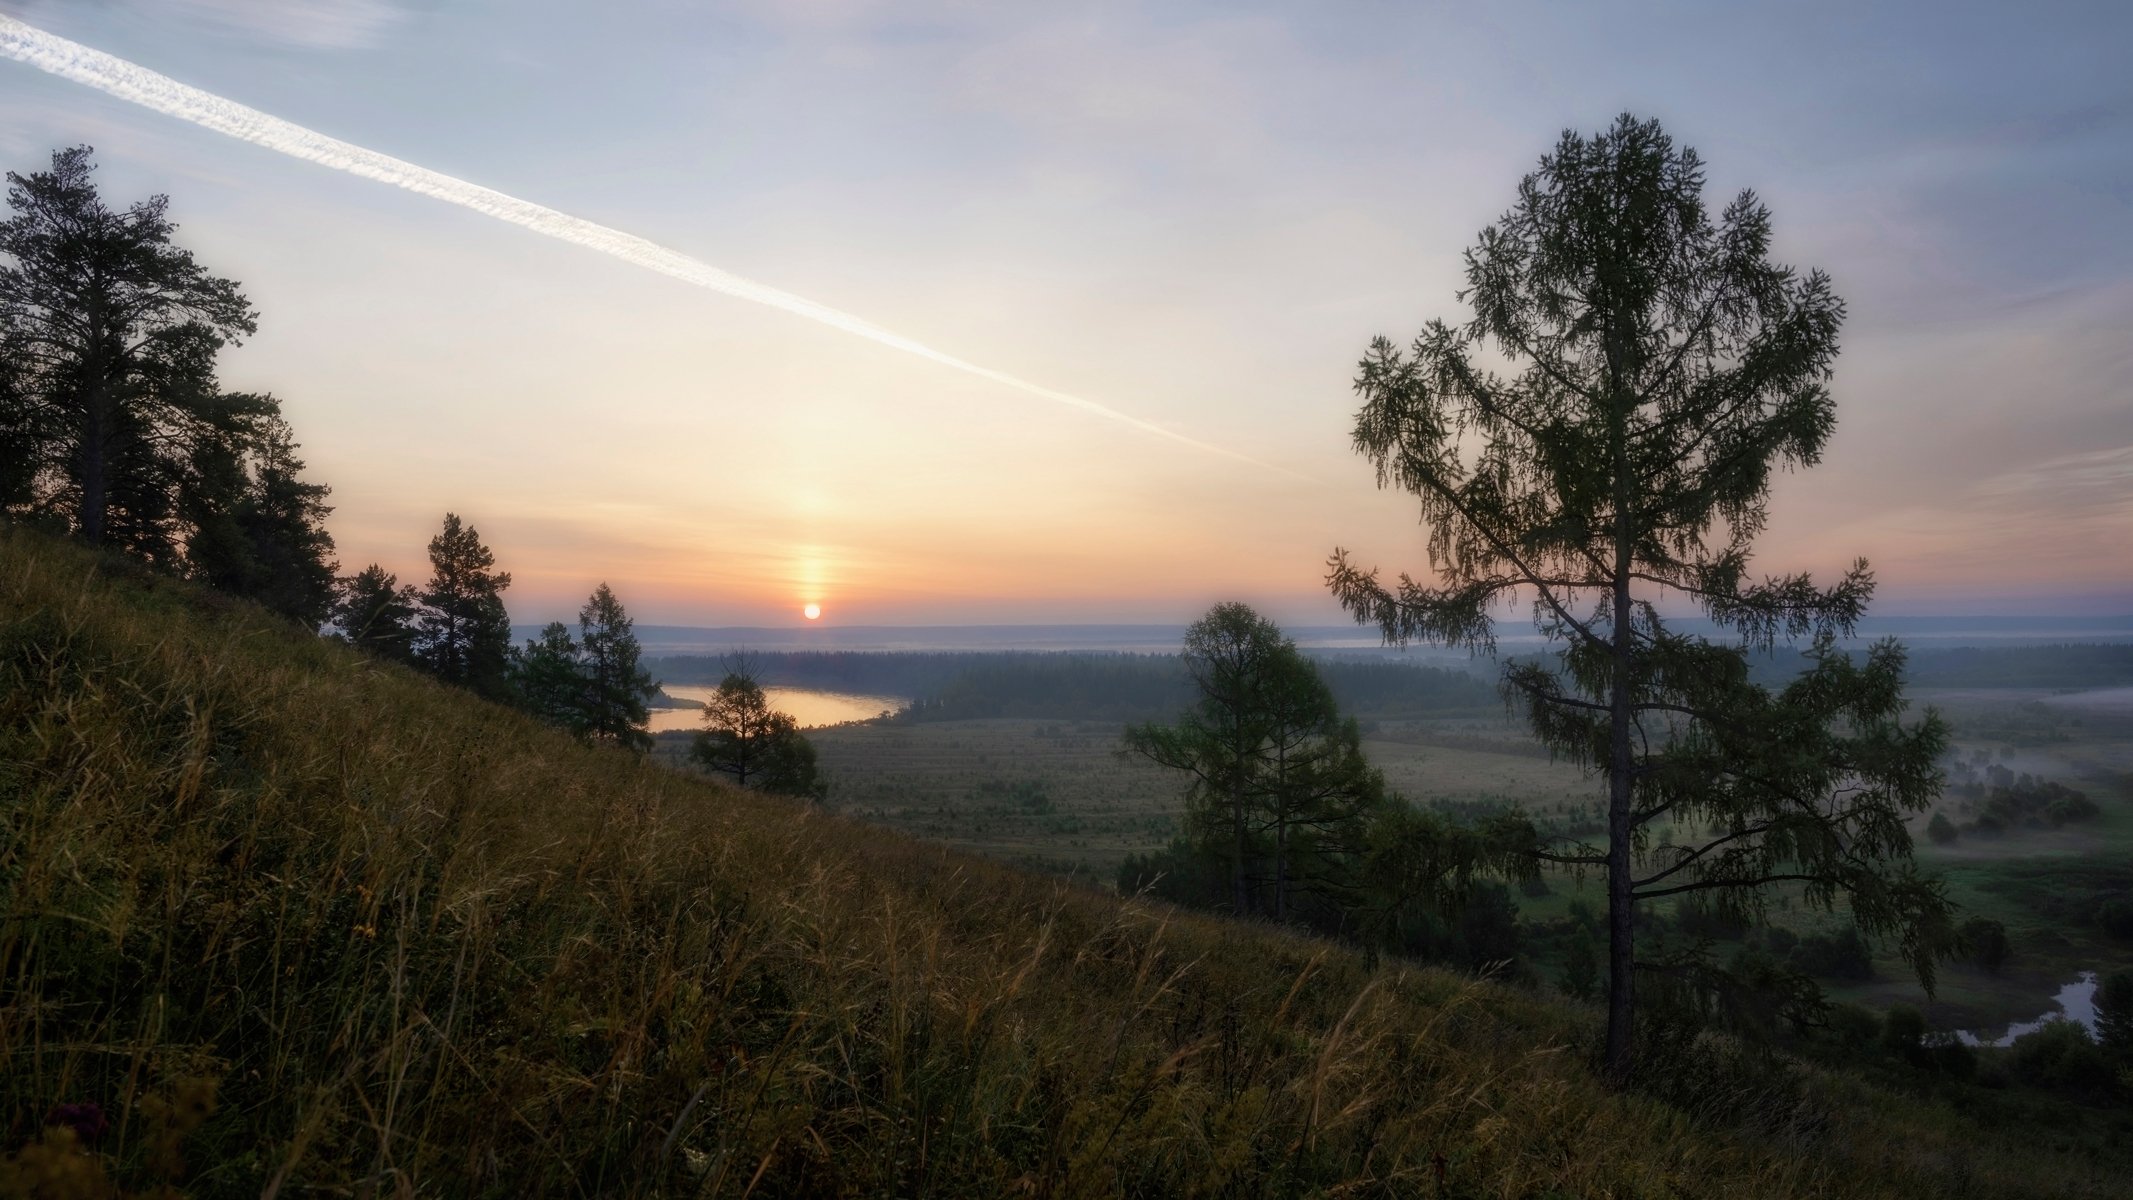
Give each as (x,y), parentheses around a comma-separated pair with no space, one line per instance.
(292,921)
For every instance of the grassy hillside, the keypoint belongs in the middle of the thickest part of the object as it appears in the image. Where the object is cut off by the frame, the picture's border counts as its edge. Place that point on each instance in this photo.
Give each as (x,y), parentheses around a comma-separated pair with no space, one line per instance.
(295,923)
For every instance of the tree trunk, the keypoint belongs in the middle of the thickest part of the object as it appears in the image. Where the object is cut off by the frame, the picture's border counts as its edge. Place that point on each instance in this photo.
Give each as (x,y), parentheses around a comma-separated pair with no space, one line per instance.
(1281,832)
(1241,896)
(1621,901)
(95,487)
(1621,891)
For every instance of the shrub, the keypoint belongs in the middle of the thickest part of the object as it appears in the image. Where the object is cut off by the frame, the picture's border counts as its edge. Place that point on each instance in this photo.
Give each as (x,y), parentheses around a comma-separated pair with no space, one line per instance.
(1983,941)
(1941,829)
(2061,1057)
(1903,1033)
(2116,917)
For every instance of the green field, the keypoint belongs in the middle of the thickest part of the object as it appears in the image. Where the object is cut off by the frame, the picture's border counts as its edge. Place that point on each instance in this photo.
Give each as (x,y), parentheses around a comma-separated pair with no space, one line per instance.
(1056,795)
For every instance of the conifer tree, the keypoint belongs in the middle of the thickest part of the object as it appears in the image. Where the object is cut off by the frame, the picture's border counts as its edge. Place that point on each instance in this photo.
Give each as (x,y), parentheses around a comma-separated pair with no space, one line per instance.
(754,743)
(1280,789)
(463,634)
(1661,367)
(377,613)
(259,532)
(616,687)
(549,680)
(110,333)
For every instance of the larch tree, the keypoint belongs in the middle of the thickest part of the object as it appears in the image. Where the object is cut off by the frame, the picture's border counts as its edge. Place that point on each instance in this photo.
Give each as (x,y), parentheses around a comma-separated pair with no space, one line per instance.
(1238,660)
(616,687)
(109,331)
(463,634)
(1659,368)
(1279,787)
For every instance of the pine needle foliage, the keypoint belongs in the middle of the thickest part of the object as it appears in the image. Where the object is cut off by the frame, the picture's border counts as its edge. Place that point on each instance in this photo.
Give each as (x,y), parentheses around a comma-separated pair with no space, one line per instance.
(1662,368)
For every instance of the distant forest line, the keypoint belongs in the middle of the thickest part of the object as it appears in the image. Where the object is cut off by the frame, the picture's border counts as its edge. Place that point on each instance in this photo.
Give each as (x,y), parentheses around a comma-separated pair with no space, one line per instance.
(983,684)
(1099,687)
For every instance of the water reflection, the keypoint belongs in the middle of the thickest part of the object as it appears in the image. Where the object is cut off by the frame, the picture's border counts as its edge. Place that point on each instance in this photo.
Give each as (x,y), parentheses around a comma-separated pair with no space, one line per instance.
(2076,1001)
(811,708)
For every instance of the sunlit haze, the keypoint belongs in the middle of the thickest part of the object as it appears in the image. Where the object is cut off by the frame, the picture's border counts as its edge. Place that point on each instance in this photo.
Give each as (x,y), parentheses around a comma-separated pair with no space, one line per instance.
(1138,251)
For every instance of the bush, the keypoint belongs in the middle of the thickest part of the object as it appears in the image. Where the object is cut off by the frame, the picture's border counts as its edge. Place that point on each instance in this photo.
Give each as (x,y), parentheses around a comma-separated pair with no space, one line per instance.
(1941,829)
(1903,1033)
(1843,955)
(2061,1057)
(1854,1026)
(2116,917)
(1983,941)
(2114,1014)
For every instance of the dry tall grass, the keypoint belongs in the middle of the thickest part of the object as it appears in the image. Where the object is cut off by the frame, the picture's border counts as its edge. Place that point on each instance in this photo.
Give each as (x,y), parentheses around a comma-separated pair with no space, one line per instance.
(297,923)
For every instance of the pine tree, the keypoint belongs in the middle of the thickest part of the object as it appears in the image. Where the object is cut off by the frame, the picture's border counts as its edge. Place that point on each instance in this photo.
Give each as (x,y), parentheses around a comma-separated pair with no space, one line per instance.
(1662,368)
(549,679)
(110,332)
(258,528)
(1280,788)
(377,613)
(463,634)
(757,745)
(616,687)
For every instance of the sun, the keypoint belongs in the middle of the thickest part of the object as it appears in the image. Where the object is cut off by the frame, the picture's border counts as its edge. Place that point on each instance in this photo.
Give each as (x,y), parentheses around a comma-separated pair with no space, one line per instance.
(812,612)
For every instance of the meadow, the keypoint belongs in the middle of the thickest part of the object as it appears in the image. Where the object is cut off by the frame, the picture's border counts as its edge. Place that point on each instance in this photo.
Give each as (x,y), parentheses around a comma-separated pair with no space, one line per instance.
(280,920)
(1056,795)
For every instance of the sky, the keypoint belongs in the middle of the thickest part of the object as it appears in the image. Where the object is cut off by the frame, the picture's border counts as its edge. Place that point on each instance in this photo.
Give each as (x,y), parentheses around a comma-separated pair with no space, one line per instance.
(1193,215)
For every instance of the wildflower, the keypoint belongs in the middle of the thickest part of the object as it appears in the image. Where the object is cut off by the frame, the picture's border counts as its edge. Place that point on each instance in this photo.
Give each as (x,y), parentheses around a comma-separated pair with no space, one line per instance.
(85,1119)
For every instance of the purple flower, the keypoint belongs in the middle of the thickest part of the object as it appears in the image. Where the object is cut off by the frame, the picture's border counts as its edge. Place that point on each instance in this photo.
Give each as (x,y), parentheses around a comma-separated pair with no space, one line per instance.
(85,1119)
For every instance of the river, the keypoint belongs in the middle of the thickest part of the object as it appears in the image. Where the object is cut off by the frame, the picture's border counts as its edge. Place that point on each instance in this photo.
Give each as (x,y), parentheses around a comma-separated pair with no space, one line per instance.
(2076,1001)
(810,708)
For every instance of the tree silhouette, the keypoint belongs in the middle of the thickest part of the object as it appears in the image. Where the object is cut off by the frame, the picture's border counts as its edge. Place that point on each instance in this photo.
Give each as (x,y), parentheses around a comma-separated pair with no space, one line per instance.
(755,744)
(1661,368)
(463,634)
(109,332)
(1280,788)
(376,612)
(616,688)
(548,679)
(260,532)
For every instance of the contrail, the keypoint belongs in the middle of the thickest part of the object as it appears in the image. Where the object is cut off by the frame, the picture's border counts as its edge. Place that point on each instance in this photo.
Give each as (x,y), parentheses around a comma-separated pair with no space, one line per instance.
(128,81)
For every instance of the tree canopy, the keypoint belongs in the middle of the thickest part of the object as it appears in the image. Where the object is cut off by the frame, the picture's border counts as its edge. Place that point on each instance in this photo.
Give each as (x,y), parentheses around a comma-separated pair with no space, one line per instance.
(113,426)
(1661,368)
(758,746)
(463,634)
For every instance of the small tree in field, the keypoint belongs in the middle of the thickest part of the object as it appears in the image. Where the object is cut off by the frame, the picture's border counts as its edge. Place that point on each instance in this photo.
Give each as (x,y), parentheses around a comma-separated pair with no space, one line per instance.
(1280,790)
(757,745)
(1661,367)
